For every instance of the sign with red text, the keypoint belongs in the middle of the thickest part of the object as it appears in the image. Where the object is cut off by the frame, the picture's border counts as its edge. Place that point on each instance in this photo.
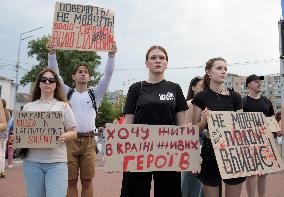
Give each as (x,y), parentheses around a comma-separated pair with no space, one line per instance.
(37,129)
(82,27)
(142,148)
(273,125)
(243,144)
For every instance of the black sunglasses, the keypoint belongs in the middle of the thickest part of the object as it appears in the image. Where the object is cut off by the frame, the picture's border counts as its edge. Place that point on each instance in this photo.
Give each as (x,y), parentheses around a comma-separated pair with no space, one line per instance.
(45,79)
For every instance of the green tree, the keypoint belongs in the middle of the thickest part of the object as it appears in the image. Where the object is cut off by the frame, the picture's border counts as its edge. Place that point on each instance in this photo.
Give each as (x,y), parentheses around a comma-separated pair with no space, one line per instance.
(66,61)
(107,113)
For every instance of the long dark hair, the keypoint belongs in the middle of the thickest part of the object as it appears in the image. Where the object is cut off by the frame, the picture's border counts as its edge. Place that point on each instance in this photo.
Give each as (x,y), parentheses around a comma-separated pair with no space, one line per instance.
(209,65)
(58,92)
(193,83)
(157,47)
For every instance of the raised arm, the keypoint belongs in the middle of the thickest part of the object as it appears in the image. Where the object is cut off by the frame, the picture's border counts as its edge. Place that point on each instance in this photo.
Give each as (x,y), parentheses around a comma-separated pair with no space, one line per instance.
(53,65)
(103,84)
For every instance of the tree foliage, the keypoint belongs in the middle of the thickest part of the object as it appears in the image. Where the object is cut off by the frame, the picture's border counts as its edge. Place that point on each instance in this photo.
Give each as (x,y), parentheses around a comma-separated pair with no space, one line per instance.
(66,61)
(107,112)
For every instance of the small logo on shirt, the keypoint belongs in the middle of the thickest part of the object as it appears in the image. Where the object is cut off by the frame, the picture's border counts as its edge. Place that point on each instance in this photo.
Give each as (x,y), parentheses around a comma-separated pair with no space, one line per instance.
(167,97)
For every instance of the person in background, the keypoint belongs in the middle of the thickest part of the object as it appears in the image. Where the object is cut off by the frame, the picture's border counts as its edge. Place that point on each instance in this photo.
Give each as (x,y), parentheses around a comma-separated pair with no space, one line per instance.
(255,102)
(45,169)
(115,121)
(154,101)
(279,138)
(215,97)
(190,184)
(10,143)
(3,123)
(121,119)
(4,117)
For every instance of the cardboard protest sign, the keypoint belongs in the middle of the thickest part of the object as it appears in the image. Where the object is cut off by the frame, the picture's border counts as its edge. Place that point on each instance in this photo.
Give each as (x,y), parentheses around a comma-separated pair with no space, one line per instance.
(37,129)
(82,27)
(141,148)
(243,144)
(272,124)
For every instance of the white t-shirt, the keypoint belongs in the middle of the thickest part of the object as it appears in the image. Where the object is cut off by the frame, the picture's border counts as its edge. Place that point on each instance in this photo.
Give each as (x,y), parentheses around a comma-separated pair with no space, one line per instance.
(51,155)
(81,104)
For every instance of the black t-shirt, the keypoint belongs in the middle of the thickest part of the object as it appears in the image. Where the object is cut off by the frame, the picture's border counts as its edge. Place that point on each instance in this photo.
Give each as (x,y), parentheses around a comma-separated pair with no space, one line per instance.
(155,104)
(262,104)
(217,102)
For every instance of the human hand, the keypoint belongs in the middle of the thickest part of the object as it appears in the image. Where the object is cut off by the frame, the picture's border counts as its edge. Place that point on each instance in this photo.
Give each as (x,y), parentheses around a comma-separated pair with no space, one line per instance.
(49,47)
(113,50)
(205,114)
(62,138)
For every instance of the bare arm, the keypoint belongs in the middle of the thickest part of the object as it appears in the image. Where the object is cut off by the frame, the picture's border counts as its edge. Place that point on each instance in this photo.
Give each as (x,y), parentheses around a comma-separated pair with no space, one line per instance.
(3,123)
(196,118)
(180,117)
(68,135)
(188,113)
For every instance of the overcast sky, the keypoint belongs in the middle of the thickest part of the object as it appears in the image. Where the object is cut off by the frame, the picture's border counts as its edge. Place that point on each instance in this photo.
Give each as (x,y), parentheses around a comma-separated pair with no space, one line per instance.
(192,31)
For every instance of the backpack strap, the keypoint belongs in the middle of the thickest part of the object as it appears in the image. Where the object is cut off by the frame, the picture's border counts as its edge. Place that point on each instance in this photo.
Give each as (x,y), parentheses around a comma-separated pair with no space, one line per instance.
(91,94)
(70,93)
(93,98)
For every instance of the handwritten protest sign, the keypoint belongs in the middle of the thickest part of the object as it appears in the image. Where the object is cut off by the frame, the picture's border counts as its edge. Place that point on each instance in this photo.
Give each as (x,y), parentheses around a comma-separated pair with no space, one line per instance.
(82,27)
(273,125)
(133,147)
(37,129)
(243,144)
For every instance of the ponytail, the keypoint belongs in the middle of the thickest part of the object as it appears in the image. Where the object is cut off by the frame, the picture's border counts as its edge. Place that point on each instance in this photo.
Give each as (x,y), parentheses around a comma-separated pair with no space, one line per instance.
(206,82)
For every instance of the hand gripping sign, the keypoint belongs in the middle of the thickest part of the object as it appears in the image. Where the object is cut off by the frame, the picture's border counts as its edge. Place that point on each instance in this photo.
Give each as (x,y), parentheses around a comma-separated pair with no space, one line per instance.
(142,148)
(243,144)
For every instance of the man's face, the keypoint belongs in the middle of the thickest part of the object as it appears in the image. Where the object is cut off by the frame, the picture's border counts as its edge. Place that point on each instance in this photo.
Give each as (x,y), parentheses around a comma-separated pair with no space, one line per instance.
(82,75)
(255,86)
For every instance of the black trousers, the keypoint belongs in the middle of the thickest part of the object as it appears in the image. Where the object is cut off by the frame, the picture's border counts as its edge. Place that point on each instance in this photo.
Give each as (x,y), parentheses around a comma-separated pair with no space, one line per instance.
(138,184)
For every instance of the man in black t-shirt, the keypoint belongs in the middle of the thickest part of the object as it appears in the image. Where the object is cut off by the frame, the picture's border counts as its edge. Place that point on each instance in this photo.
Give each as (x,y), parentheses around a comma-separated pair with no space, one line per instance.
(254,102)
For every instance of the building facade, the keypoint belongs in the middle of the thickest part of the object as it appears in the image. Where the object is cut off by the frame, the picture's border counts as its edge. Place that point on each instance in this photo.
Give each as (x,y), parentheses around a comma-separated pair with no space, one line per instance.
(271,87)
(7,92)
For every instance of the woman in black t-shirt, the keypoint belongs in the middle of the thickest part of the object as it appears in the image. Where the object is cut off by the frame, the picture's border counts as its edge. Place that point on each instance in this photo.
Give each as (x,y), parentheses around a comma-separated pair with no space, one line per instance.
(215,98)
(154,102)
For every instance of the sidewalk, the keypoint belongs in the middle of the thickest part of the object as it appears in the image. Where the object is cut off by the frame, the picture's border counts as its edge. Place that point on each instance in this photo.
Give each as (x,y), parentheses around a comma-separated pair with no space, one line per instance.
(108,185)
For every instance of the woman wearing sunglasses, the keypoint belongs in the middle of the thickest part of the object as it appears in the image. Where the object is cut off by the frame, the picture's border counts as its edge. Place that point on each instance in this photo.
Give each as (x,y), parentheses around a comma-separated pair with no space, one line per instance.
(45,169)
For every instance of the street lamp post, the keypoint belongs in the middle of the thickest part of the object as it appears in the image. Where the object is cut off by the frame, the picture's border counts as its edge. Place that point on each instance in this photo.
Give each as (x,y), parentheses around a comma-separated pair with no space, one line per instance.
(18,60)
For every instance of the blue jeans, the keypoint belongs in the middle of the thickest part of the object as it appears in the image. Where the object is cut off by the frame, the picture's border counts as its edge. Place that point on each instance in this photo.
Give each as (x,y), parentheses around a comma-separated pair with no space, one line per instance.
(45,179)
(191,186)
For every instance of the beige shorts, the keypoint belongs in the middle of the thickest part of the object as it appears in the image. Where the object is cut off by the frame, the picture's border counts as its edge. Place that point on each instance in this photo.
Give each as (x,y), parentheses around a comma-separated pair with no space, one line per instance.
(81,155)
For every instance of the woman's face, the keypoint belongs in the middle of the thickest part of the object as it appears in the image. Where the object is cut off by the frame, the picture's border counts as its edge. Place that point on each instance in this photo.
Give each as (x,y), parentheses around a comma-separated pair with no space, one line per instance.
(157,62)
(47,82)
(218,71)
(198,87)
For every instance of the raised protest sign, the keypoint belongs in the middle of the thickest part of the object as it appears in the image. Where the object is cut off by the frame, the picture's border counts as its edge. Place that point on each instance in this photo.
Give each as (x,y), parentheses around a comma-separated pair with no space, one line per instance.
(243,144)
(82,27)
(37,129)
(142,148)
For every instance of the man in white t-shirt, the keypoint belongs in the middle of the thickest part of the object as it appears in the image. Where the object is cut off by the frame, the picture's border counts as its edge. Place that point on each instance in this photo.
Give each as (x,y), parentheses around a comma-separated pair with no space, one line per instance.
(84,102)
